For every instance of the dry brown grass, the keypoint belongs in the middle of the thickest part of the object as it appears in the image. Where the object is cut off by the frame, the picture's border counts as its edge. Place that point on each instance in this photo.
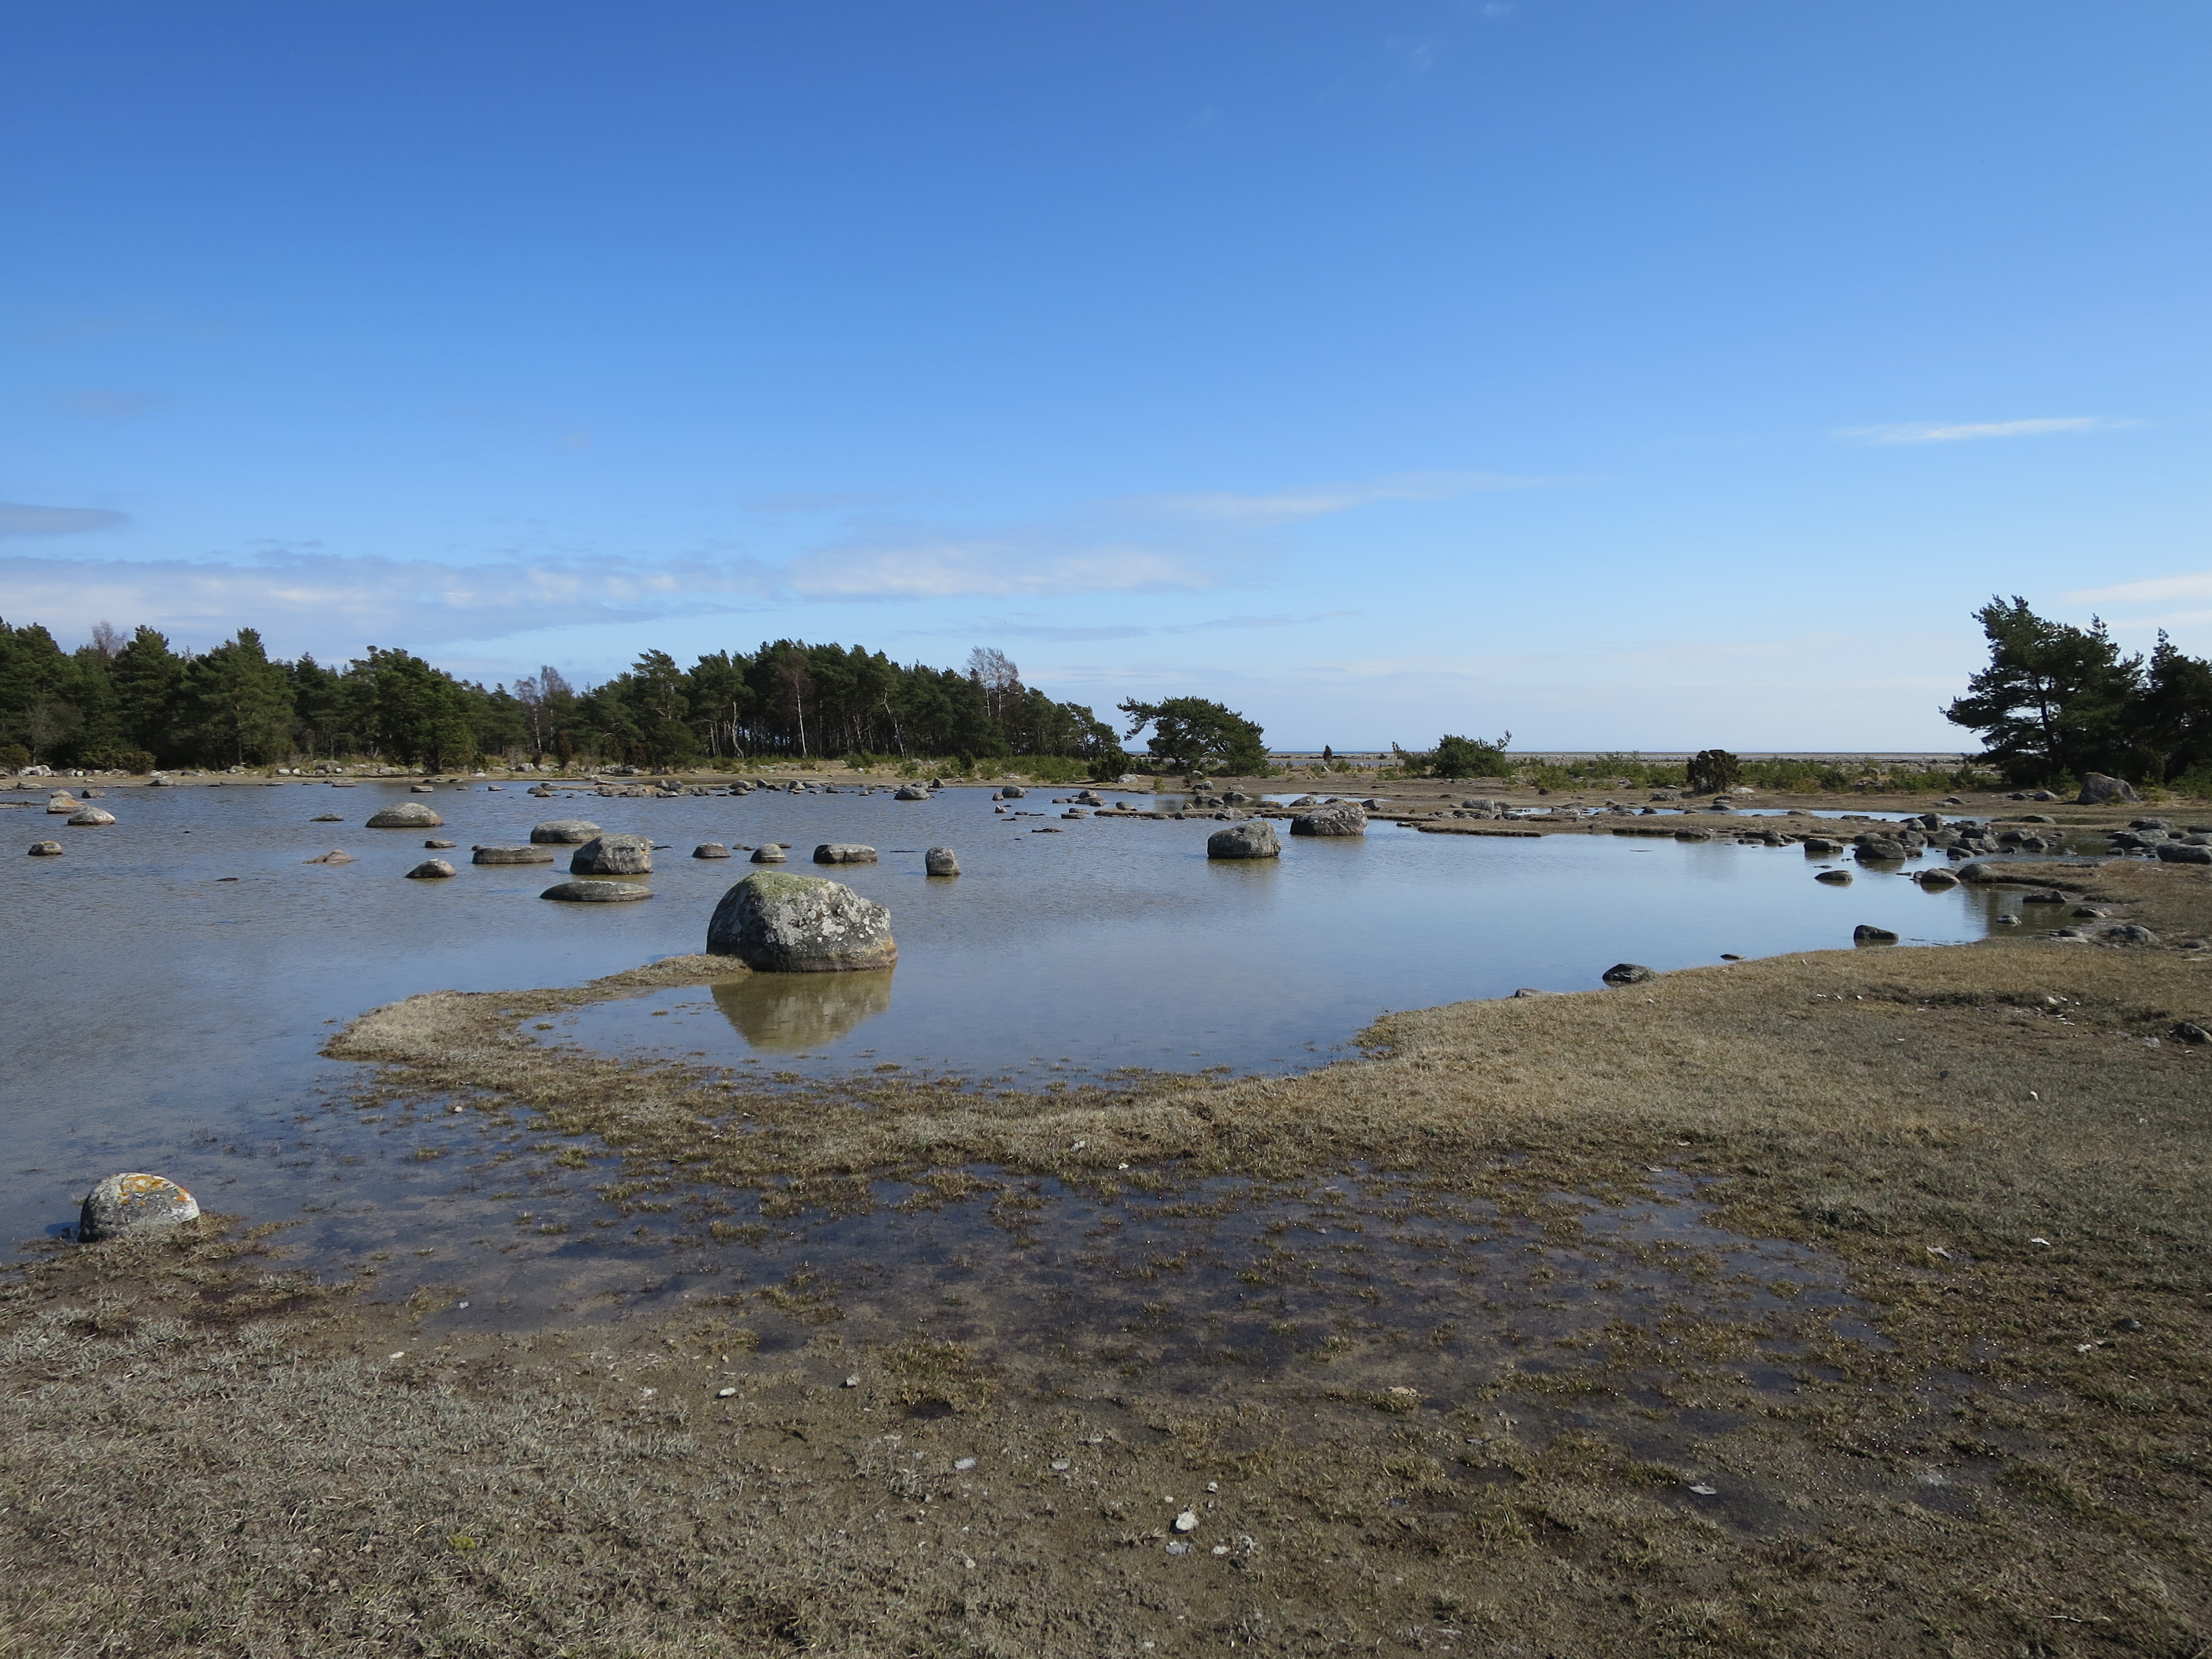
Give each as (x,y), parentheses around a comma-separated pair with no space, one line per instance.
(206,1459)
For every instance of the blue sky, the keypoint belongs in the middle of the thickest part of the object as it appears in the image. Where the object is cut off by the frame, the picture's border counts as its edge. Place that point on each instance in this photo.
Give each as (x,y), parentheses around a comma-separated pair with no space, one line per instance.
(1623,374)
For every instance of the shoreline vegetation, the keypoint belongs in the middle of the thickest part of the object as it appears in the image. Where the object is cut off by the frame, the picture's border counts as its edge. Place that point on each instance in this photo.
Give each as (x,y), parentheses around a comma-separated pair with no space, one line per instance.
(1851,1302)
(2056,706)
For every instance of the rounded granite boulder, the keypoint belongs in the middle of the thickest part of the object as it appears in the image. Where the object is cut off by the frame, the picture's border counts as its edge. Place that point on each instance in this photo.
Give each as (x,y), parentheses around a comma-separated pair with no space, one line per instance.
(597,892)
(132,1204)
(771,852)
(779,923)
(45,849)
(431,870)
(88,817)
(844,851)
(408,814)
(1628,973)
(613,855)
(1345,818)
(940,861)
(564,832)
(710,849)
(1253,839)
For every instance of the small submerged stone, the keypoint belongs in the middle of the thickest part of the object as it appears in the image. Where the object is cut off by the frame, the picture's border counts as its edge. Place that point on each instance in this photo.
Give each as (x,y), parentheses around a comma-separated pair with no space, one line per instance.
(45,849)
(431,870)
(527,855)
(336,856)
(597,892)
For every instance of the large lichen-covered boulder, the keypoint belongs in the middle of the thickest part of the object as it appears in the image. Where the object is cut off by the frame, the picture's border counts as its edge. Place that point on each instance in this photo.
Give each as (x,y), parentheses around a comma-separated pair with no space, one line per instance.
(564,832)
(431,870)
(911,793)
(844,851)
(1345,818)
(133,1203)
(780,923)
(2097,788)
(408,814)
(940,861)
(1252,839)
(91,817)
(613,855)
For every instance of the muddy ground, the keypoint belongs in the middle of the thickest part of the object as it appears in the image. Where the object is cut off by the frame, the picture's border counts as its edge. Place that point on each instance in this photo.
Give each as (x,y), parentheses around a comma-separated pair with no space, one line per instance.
(1845,1303)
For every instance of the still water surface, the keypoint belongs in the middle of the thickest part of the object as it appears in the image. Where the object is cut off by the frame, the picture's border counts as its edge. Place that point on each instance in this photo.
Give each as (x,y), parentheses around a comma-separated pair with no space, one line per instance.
(175,973)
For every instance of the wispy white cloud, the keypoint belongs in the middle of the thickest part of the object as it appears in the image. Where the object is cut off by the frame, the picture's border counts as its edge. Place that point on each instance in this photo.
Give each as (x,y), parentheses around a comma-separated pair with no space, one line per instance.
(20,518)
(1287,507)
(2198,586)
(1967,432)
(1002,628)
(341,601)
(337,602)
(959,568)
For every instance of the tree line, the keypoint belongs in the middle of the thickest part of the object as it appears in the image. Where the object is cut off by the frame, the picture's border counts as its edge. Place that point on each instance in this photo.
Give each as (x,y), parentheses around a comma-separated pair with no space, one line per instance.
(136,702)
(2055,702)
(2058,701)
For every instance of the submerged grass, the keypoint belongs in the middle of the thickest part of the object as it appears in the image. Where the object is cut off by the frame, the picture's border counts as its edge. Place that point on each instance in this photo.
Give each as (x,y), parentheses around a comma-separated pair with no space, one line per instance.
(2010,1180)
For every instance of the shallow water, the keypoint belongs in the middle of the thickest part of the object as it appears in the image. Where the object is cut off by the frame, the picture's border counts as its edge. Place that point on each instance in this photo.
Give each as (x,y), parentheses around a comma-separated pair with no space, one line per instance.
(176,971)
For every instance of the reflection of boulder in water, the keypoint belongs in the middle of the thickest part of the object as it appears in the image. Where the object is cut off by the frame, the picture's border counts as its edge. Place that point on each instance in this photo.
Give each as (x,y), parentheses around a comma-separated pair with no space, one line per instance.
(790,1012)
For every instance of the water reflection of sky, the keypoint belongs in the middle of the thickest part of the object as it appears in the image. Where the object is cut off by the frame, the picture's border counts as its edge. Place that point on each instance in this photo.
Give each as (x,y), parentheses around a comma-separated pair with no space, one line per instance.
(178,969)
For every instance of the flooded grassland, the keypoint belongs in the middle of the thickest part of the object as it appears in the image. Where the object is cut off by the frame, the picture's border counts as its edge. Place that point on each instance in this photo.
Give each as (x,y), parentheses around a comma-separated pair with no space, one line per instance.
(1832,1302)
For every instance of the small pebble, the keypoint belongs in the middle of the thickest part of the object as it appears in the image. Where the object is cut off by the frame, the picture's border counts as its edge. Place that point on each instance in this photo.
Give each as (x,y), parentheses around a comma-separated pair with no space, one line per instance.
(724,1394)
(1187,1521)
(1061,1465)
(854,1381)
(963,1462)
(1178,1547)
(1221,1549)
(1706,1491)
